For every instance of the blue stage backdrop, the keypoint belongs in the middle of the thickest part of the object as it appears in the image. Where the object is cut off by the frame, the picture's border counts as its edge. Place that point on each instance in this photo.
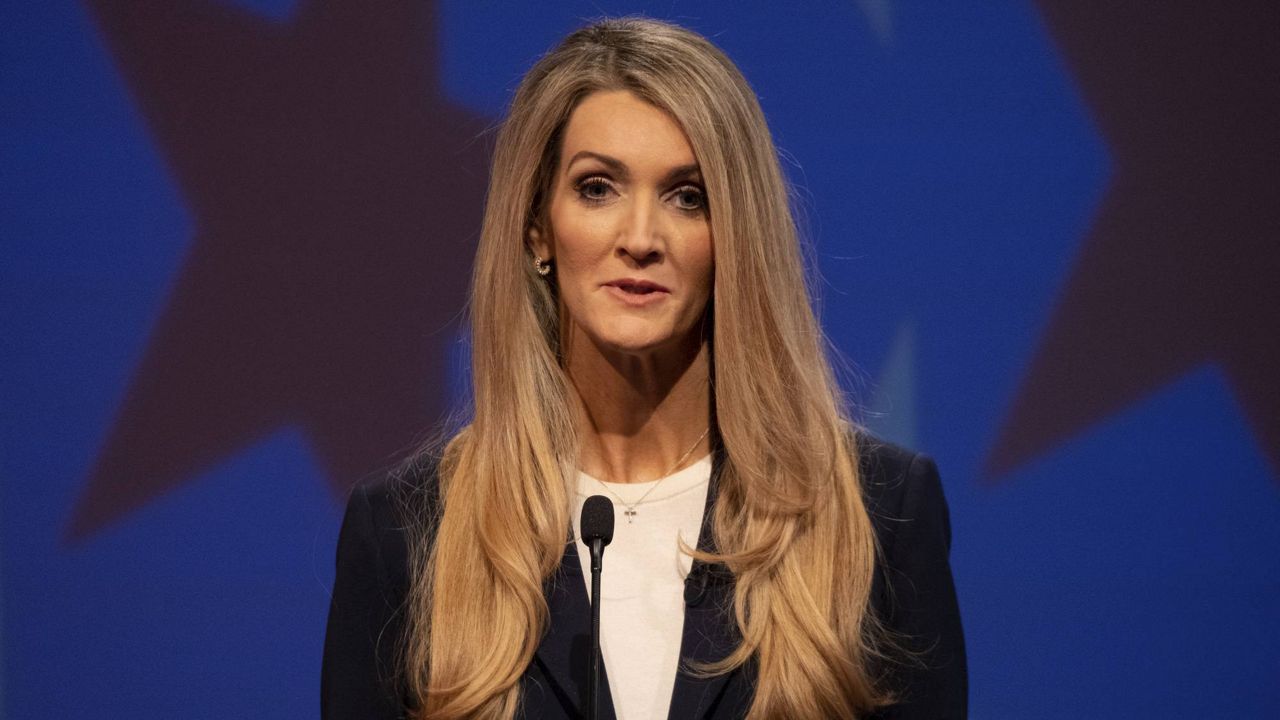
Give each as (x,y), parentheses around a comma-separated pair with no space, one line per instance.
(236,238)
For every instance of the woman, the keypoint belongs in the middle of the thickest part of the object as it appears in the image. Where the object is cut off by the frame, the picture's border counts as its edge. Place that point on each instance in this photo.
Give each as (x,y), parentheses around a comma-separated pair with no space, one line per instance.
(641,329)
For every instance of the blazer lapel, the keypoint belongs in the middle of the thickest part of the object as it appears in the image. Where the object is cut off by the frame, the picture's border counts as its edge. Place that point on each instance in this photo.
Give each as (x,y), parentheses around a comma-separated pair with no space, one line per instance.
(709,633)
(565,651)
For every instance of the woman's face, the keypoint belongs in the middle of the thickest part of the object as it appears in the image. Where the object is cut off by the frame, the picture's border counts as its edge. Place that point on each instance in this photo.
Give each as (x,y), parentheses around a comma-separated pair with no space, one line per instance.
(630,233)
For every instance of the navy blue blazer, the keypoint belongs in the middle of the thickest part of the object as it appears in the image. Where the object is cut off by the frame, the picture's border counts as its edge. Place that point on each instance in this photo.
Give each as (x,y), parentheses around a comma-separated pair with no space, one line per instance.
(913,594)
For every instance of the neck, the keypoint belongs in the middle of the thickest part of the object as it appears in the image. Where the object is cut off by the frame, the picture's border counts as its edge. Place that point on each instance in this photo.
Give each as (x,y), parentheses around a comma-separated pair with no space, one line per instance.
(640,415)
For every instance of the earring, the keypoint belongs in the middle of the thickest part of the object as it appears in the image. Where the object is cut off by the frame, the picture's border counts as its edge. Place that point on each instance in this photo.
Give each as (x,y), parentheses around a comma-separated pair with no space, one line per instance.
(542,266)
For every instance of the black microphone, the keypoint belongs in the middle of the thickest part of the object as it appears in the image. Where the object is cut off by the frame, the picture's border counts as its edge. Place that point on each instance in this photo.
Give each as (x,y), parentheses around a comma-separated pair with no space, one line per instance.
(596,529)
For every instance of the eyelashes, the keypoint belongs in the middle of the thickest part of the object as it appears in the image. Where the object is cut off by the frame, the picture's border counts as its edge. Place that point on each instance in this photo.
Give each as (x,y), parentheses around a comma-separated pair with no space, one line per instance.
(698,195)
(594,190)
(588,187)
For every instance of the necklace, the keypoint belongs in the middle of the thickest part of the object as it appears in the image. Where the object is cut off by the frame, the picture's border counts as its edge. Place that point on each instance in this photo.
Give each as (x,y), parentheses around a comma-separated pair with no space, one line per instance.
(630,511)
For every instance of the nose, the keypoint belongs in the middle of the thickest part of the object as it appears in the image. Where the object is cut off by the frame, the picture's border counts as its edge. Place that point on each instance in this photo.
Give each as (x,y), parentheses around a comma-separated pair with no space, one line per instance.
(642,237)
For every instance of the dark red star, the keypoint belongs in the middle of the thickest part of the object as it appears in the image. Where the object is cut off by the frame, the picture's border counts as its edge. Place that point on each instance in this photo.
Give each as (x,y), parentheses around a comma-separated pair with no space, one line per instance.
(336,196)
(1181,267)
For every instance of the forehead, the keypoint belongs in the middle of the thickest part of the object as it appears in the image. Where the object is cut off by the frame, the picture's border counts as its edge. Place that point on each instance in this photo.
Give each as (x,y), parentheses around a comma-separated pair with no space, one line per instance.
(620,124)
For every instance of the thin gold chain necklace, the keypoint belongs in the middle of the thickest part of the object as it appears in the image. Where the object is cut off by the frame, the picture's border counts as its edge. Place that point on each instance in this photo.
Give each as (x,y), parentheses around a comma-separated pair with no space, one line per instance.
(630,511)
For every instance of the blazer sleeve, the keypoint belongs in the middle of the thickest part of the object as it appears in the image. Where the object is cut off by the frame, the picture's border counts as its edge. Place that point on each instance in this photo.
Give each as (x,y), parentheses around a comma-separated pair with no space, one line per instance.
(358,675)
(923,613)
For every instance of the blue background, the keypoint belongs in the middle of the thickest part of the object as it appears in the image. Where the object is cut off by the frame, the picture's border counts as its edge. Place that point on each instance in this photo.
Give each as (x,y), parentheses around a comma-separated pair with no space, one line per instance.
(949,169)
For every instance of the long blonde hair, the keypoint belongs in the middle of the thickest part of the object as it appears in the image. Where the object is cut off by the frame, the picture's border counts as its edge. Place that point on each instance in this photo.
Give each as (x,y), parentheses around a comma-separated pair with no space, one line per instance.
(789,521)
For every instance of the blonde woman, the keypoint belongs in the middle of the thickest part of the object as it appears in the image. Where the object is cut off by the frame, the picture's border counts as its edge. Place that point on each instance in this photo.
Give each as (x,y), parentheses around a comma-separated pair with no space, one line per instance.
(641,329)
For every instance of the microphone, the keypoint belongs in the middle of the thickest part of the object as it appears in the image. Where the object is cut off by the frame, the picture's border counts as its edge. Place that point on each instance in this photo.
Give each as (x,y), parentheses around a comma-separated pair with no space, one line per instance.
(596,528)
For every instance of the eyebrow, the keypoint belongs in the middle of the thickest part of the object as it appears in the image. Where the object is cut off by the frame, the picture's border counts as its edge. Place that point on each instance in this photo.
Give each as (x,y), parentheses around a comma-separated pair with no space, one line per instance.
(619,167)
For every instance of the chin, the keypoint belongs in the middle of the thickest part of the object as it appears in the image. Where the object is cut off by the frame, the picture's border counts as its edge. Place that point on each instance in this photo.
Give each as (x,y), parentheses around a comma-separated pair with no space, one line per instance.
(632,344)
(633,338)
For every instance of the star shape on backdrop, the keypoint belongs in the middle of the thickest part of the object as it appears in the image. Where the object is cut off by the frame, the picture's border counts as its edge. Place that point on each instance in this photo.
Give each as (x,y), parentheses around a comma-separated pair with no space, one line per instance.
(1181,266)
(336,195)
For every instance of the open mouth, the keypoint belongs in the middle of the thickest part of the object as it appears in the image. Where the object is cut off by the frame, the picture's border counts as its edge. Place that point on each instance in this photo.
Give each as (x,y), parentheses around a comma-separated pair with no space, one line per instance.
(637,293)
(638,287)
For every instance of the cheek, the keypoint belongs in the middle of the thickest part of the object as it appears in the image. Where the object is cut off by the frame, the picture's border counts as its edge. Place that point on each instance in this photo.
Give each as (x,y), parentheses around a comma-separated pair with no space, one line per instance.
(577,250)
(577,266)
(579,239)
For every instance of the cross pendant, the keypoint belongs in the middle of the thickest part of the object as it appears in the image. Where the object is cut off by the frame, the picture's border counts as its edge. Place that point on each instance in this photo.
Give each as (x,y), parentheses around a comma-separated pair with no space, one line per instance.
(630,513)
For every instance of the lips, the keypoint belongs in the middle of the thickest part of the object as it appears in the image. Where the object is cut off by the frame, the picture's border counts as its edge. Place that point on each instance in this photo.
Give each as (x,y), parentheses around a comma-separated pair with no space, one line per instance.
(636,293)
(634,286)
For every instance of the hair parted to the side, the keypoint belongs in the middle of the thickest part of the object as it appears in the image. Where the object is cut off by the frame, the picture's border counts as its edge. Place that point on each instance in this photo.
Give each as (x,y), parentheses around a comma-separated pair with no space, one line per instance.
(789,520)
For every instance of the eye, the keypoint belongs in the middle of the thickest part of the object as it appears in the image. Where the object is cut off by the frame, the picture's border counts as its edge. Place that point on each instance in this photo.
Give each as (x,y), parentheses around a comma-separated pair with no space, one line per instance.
(691,198)
(594,189)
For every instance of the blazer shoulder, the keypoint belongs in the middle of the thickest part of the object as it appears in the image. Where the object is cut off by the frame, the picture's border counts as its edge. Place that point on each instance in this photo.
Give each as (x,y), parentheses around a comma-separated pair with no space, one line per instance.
(902,490)
(404,494)
(397,506)
(913,589)
(887,470)
(360,675)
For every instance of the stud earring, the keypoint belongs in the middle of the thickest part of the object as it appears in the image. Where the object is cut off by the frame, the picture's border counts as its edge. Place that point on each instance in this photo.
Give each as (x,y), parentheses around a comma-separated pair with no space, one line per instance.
(542,266)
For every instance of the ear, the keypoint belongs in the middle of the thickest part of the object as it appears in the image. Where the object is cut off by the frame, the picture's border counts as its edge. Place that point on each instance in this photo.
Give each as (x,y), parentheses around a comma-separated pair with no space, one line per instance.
(539,243)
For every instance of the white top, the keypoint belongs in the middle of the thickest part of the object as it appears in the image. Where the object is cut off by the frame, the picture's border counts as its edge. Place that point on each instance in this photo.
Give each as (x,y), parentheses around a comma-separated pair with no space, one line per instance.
(642,584)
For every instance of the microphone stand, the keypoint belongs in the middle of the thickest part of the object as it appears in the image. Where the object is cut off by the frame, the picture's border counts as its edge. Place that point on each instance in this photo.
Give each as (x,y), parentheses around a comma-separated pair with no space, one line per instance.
(596,529)
(593,688)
